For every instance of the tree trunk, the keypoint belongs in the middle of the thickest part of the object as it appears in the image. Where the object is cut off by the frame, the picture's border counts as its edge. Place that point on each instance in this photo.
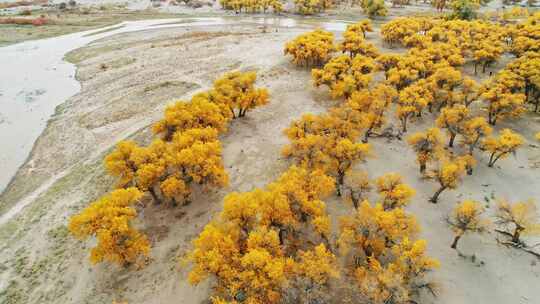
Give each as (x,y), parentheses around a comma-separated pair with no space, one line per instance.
(469,170)
(492,118)
(422,168)
(404,123)
(456,239)
(154,195)
(339,183)
(516,235)
(436,195)
(366,135)
(492,160)
(354,200)
(452,137)
(281,235)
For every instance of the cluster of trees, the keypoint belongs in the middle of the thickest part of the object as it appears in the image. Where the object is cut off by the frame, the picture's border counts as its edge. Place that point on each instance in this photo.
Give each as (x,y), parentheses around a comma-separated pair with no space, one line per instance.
(275,244)
(303,7)
(185,152)
(310,7)
(256,246)
(513,220)
(371,8)
(425,79)
(429,79)
(252,6)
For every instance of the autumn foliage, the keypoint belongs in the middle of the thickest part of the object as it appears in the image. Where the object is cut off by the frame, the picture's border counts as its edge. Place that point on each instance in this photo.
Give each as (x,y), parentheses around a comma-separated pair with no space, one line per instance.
(311,49)
(517,219)
(187,152)
(252,6)
(345,75)
(427,145)
(500,147)
(384,257)
(467,218)
(247,249)
(109,220)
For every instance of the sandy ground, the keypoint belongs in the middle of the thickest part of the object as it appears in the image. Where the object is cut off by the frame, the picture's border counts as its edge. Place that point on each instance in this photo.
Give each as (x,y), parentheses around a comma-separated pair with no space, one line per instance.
(41,263)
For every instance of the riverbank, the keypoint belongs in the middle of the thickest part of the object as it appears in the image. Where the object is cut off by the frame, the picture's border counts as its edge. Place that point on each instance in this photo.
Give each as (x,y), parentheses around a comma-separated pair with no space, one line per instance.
(62,22)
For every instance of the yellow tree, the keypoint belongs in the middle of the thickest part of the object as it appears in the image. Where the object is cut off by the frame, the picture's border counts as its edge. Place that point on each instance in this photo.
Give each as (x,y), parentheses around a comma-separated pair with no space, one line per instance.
(136,166)
(343,156)
(277,6)
(469,90)
(372,105)
(409,69)
(452,119)
(344,75)
(387,61)
(362,27)
(312,48)
(200,162)
(309,7)
(396,30)
(467,217)
(473,131)
(443,82)
(357,184)
(304,190)
(412,101)
(517,219)
(528,68)
(374,8)
(109,220)
(236,91)
(387,263)
(427,145)
(448,174)
(501,104)
(393,192)
(249,251)
(193,156)
(336,75)
(412,263)
(500,147)
(312,135)
(354,43)
(372,231)
(199,113)
(487,52)
(319,265)
(249,268)
(120,164)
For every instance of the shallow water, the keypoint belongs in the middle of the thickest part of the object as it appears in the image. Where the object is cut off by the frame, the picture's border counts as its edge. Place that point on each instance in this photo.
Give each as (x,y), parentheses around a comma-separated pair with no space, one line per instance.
(34,78)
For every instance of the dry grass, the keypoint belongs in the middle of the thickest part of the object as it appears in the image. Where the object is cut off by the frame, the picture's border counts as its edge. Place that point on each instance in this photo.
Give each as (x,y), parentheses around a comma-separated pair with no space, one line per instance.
(22,3)
(25,21)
